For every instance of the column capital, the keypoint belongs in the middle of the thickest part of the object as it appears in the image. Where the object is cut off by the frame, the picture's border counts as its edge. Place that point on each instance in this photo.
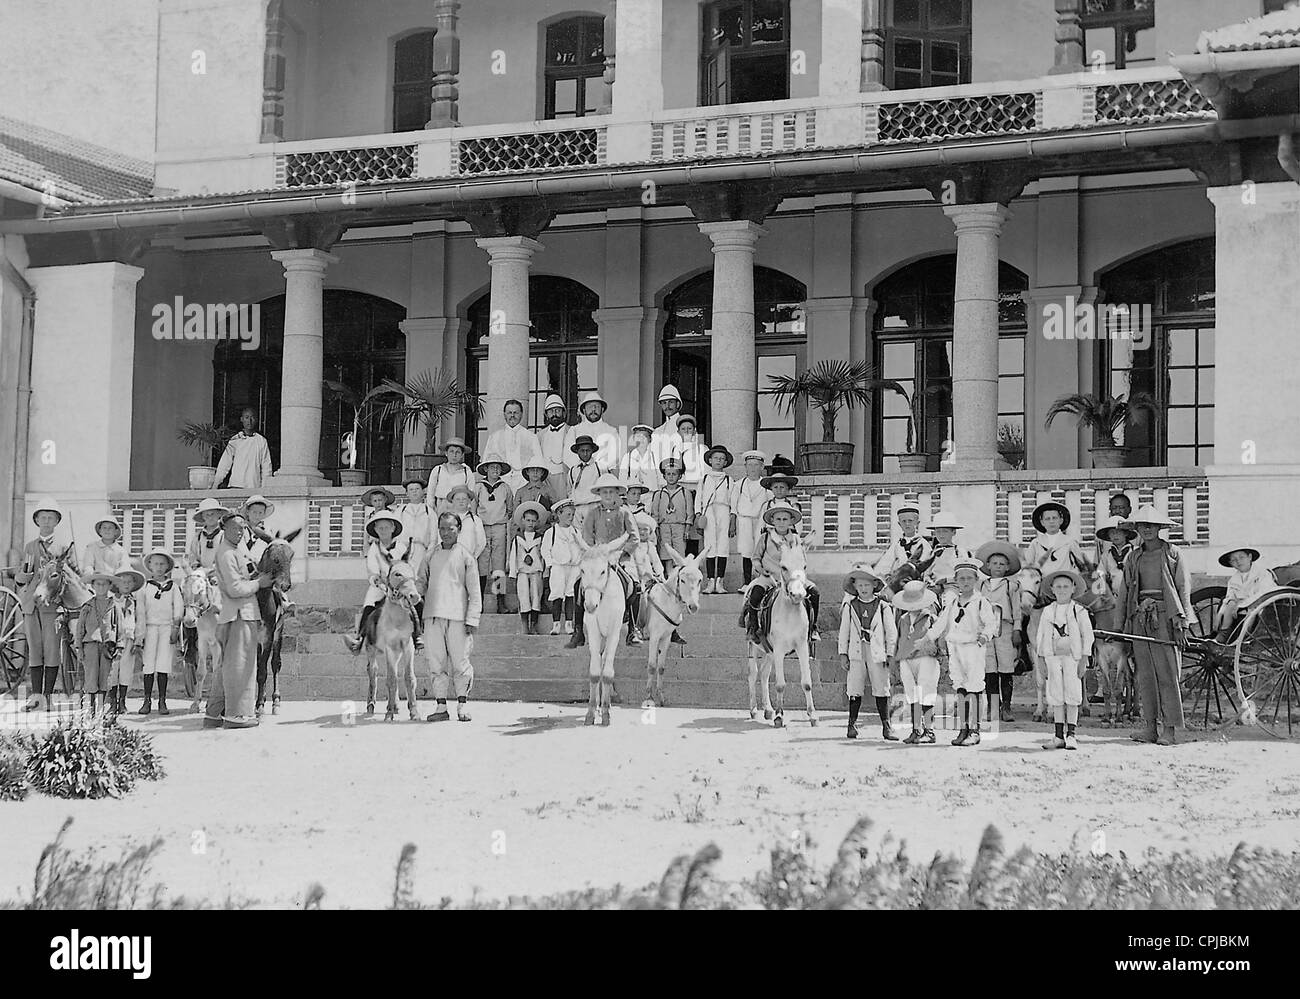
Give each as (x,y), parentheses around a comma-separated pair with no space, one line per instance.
(619,314)
(430,325)
(510,217)
(750,201)
(736,235)
(304,260)
(988,217)
(1272,196)
(304,232)
(509,248)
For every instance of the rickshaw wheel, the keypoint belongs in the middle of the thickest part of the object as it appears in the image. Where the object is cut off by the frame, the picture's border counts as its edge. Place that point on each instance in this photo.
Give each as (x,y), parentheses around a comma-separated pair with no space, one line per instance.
(13,640)
(1268,664)
(1207,674)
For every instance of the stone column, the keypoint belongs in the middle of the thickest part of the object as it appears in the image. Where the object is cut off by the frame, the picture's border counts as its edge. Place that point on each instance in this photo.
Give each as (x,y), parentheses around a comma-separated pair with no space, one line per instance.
(873,45)
(79,430)
(1054,364)
(607,78)
(273,74)
(733,366)
(975,334)
(429,342)
(1256,355)
(638,91)
(1070,57)
(652,365)
(618,372)
(304,353)
(508,323)
(444,112)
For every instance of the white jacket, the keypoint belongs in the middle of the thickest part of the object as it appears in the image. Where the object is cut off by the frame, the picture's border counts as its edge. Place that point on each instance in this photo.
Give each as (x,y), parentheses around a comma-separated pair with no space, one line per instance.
(1078,629)
(884,634)
(560,545)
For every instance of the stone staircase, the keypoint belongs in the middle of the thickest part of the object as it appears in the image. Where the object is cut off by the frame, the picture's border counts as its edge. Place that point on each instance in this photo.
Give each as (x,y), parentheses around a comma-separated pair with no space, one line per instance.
(711,670)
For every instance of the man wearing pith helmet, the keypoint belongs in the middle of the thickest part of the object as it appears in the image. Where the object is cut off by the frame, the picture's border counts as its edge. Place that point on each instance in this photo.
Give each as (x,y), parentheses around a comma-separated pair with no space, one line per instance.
(592,424)
(670,401)
(553,443)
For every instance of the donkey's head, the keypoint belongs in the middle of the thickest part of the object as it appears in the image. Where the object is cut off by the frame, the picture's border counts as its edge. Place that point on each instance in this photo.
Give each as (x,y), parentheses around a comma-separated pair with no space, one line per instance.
(51,581)
(197,589)
(277,560)
(689,579)
(1030,580)
(401,582)
(794,571)
(595,568)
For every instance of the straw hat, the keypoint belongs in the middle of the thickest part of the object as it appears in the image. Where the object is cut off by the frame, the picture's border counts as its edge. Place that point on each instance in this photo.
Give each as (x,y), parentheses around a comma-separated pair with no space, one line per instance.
(492,458)
(594,396)
(915,595)
(606,480)
(92,577)
(945,519)
(687,418)
(767,480)
(47,503)
(543,514)
(379,515)
(1225,559)
(270,507)
(1010,552)
(781,505)
(582,440)
(370,491)
(1080,587)
(1149,515)
(535,463)
(718,449)
(210,504)
(422,483)
(458,490)
(171,560)
(861,571)
(135,575)
(108,520)
(669,392)
(670,463)
(554,402)
(1109,524)
(456,442)
(629,484)
(1037,516)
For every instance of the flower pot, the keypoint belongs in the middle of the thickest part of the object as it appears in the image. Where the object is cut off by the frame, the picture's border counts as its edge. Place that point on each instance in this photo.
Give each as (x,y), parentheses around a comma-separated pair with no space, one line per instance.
(1109,457)
(352,476)
(910,464)
(418,466)
(823,458)
(202,476)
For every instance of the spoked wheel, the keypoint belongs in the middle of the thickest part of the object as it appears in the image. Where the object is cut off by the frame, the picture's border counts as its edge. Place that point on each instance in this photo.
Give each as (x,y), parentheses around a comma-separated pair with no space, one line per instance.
(1207,678)
(13,640)
(1268,664)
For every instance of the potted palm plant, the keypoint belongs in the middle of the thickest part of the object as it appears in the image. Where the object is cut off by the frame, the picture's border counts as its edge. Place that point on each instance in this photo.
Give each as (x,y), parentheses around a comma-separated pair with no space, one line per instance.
(209,439)
(378,404)
(428,400)
(1105,415)
(914,460)
(829,385)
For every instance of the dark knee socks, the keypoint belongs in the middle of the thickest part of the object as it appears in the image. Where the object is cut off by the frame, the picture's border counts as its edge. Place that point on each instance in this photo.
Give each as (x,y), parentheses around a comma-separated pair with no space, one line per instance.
(747,568)
(855,704)
(148,686)
(882,709)
(722,566)
(162,688)
(1006,681)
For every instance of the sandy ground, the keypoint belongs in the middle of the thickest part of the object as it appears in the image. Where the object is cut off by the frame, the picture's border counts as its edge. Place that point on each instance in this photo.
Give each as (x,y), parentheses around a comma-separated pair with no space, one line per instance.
(524,799)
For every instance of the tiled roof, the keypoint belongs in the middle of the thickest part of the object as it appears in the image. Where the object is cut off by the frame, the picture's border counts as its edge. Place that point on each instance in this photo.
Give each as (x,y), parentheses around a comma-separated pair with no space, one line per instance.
(79,171)
(1279,30)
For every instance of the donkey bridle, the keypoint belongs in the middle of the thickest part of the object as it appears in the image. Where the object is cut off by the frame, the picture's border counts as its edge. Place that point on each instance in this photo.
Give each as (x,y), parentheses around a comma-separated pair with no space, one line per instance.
(677,595)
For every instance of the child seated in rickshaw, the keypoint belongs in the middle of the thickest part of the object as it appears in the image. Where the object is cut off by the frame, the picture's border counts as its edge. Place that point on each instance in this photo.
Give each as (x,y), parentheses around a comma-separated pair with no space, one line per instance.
(1249,582)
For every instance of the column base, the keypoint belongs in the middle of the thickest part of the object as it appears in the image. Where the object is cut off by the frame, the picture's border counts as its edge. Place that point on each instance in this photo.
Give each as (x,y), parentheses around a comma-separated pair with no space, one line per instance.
(300,478)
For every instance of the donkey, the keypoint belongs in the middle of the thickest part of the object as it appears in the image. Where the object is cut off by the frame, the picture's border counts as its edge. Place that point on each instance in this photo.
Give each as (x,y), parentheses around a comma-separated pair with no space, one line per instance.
(273,605)
(788,634)
(202,600)
(669,602)
(1105,601)
(604,603)
(58,586)
(394,642)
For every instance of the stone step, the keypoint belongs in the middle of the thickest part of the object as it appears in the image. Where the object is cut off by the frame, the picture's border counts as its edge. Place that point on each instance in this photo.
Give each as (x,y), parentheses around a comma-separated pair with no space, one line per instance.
(488,643)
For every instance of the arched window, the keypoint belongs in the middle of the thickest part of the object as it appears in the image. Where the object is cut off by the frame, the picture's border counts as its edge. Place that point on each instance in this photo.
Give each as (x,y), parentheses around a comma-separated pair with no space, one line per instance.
(927,43)
(780,339)
(562,347)
(575,64)
(412,81)
(913,345)
(1167,301)
(745,52)
(363,345)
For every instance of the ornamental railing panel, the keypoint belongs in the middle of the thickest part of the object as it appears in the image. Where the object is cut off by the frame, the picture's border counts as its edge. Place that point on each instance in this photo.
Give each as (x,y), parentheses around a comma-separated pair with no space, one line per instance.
(734,134)
(331,167)
(528,152)
(1156,100)
(954,118)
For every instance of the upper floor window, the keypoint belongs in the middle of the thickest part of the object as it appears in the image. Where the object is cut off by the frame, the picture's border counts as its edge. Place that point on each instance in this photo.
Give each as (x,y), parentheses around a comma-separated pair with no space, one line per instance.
(412,81)
(745,52)
(575,63)
(927,43)
(1118,34)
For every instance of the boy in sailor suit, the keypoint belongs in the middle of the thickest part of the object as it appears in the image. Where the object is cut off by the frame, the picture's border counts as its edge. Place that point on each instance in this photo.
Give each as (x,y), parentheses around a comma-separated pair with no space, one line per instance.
(649,567)
(749,498)
(910,547)
(1002,589)
(526,563)
(562,553)
(1064,641)
(582,477)
(966,626)
(1051,550)
(868,640)
(945,553)
(158,611)
(713,502)
(496,505)
(670,505)
(388,547)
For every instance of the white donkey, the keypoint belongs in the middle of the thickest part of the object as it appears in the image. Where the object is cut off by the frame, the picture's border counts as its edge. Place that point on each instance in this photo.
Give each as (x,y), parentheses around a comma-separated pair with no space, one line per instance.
(669,602)
(202,600)
(788,634)
(393,643)
(603,604)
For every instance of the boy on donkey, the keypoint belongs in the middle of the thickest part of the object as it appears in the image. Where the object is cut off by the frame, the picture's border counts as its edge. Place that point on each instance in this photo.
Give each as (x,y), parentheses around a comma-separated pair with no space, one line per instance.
(781,520)
(608,521)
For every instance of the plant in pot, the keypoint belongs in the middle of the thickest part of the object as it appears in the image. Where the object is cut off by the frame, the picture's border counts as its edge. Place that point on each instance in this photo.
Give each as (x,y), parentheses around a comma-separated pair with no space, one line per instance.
(1105,415)
(829,385)
(210,440)
(1011,445)
(914,460)
(428,400)
(377,405)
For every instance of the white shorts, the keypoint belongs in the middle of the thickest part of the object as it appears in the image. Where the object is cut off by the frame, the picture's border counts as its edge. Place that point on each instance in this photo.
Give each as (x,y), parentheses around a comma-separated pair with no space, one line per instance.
(563,579)
(920,678)
(1063,683)
(717,522)
(747,531)
(860,672)
(528,587)
(966,666)
(157,648)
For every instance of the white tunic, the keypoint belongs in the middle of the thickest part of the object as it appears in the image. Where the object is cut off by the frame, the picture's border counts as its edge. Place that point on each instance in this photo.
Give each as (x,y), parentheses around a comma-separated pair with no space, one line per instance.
(554,447)
(641,466)
(247,459)
(517,445)
(609,449)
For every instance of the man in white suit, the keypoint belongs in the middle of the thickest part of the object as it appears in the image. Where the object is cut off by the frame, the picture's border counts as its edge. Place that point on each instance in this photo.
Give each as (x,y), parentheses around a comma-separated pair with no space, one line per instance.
(514,442)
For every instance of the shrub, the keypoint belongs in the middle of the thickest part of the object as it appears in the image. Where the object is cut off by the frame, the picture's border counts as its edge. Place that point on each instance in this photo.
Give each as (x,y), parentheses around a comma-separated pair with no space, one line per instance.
(73,761)
(14,784)
(133,754)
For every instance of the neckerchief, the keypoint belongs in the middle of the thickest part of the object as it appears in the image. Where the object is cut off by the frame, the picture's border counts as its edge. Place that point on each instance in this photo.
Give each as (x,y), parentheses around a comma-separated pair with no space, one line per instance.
(161,588)
(492,487)
(867,618)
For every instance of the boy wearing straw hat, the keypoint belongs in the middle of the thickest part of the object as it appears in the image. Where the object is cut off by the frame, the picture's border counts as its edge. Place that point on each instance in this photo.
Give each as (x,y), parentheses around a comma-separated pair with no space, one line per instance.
(1001,563)
(473,535)
(106,553)
(159,608)
(582,477)
(966,625)
(868,640)
(607,522)
(1248,583)
(1115,540)
(649,567)
(451,473)
(713,515)
(387,547)
(1064,641)
(127,582)
(945,553)
(534,488)
(526,563)
(918,656)
(96,638)
(553,446)
(562,553)
(782,521)
(749,498)
(255,510)
(670,505)
(202,552)
(495,502)
(40,620)
(1157,605)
